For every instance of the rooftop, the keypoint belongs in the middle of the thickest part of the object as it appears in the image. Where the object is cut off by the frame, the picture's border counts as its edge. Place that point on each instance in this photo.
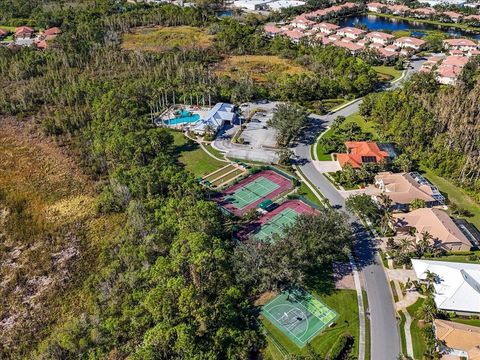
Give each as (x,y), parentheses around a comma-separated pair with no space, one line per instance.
(459,337)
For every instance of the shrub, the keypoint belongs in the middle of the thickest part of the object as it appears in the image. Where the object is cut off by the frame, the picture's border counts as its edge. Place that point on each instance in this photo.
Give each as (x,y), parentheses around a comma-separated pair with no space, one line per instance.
(340,347)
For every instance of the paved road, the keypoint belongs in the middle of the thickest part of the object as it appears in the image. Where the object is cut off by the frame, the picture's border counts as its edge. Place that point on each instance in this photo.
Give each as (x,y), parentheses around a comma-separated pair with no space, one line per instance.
(385,339)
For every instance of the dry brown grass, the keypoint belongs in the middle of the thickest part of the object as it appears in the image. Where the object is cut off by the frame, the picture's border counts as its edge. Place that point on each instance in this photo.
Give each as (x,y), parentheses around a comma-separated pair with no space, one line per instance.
(160,39)
(260,68)
(50,234)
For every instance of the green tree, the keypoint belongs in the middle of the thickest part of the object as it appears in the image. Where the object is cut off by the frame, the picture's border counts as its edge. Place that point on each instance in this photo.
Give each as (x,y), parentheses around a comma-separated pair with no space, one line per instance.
(288,120)
(418,204)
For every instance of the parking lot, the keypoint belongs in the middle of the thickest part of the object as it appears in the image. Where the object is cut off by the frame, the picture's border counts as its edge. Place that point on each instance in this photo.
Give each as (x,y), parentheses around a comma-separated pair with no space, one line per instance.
(257,139)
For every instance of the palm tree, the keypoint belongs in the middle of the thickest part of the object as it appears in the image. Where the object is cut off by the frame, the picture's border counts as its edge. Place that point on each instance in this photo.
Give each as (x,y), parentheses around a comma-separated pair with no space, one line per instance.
(385,200)
(386,221)
(428,310)
(430,277)
(424,244)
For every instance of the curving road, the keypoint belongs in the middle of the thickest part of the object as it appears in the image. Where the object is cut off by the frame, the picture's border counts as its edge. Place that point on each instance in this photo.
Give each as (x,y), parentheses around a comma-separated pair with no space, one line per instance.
(384,334)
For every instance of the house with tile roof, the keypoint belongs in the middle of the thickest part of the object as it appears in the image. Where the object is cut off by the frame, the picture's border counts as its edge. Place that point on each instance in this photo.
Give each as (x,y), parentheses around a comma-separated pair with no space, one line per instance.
(456,285)
(327,28)
(354,48)
(4,33)
(459,44)
(445,233)
(362,152)
(404,188)
(409,42)
(450,69)
(24,32)
(351,32)
(375,6)
(459,340)
(378,37)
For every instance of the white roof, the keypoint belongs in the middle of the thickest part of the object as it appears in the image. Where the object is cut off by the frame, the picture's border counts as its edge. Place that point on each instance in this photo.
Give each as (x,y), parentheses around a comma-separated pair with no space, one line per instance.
(216,116)
(457,287)
(281,4)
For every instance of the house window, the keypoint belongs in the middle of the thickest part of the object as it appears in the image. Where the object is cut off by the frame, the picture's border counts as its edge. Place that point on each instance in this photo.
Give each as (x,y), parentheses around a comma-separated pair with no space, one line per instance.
(369,159)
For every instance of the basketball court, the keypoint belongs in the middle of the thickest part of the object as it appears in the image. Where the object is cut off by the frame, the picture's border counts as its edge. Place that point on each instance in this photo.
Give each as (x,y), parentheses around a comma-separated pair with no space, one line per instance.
(298,315)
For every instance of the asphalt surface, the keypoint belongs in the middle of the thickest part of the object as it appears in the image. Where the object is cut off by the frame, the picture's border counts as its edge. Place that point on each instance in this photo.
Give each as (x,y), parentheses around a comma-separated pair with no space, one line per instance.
(384,332)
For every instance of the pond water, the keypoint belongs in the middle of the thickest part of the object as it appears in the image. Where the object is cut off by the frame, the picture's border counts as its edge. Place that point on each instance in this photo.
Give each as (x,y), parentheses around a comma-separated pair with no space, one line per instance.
(418,29)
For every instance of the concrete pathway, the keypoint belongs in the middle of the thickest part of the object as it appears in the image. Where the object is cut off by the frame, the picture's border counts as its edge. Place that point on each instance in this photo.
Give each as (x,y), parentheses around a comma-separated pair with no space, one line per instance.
(361,309)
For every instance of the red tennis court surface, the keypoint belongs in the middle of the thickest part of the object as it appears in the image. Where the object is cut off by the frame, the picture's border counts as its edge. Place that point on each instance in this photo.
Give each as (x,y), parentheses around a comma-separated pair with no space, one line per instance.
(297,206)
(230,199)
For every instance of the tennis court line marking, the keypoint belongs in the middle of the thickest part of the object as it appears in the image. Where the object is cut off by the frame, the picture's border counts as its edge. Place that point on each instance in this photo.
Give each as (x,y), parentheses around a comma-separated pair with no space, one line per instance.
(295,336)
(325,324)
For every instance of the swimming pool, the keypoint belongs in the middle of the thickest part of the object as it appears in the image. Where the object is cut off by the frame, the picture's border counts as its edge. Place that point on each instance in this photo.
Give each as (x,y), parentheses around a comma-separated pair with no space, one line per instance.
(185,117)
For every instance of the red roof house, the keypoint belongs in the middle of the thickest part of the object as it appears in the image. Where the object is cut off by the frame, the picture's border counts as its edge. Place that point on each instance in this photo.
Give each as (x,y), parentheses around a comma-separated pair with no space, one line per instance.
(4,33)
(24,32)
(361,152)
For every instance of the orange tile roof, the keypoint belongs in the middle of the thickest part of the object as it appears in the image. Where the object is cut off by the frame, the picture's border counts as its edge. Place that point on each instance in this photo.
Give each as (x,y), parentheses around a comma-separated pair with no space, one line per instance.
(357,150)
(459,336)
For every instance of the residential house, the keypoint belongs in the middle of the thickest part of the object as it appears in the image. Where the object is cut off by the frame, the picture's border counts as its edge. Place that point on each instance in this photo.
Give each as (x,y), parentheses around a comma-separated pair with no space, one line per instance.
(456,285)
(50,34)
(40,44)
(430,63)
(351,32)
(272,30)
(445,233)
(386,54)
(350,46)
(4,33)
(294,35)
(362,152)
(398,9)
(459,44)
(423,13)
(302,22)
(378,37)
(409,42)
(450,69)
(24,32)
(459,340)
(375,7)
(327,28)
(404,188)
(452,15)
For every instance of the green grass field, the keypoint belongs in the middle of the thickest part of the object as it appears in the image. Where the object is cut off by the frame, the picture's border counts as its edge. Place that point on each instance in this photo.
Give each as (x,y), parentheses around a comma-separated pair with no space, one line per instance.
(472,322)
(366,126)
(388,73)
(401,329)
(419,346)
(305,191)
(462,258)
(160,39)
(455,194)
(344,302)
(193,157)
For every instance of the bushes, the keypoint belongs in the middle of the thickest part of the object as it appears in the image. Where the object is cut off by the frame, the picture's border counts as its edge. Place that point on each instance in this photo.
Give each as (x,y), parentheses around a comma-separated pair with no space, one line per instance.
(341,347)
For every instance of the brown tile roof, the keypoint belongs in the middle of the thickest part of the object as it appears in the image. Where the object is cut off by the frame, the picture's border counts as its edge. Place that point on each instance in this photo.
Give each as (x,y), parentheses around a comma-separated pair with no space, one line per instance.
(52,31)
(379,35)
(459,42)
(403,189)
(459,336)
(24,30)
(438,224)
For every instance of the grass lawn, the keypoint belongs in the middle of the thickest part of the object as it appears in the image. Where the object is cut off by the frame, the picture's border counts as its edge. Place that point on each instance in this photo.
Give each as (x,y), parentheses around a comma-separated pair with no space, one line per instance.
(305,191)
(344,302)
(472,322)
(387,73)
(401,329)
(462,258)
(261,68)
(367,325)
(160,39)
(456,195)
(417,335)
(394,291)
(214,151)
(366,126)
(193,157)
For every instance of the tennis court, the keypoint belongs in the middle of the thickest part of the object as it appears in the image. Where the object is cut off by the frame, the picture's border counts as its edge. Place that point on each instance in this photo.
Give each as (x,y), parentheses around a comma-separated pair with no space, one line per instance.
(250,192)
(253,191)
(298,315)
(280,218)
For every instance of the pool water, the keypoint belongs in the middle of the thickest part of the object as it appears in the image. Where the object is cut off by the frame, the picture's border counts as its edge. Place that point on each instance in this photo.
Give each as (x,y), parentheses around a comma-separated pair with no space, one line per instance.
(376,23)
(185,117)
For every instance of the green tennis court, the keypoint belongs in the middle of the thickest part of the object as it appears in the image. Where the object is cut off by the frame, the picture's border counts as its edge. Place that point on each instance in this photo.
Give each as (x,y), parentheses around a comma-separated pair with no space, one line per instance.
(298,315)
(251,192)
(276,224)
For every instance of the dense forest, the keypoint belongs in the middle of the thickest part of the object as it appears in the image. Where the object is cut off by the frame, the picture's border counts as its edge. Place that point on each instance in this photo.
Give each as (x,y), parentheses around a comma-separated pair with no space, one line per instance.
(435,126)
(166,280)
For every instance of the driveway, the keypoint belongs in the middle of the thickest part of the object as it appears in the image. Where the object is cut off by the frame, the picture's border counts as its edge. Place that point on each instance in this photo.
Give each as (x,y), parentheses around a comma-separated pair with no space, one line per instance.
(327,166)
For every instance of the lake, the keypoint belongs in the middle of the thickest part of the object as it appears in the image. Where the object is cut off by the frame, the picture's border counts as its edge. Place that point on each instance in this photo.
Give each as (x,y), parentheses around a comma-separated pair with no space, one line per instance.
(373,22)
